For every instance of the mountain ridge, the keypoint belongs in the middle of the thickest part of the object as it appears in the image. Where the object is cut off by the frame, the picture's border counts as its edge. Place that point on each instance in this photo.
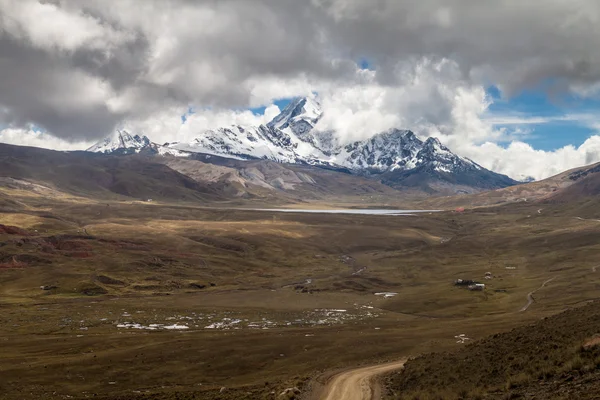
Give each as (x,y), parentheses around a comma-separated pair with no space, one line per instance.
(293,137)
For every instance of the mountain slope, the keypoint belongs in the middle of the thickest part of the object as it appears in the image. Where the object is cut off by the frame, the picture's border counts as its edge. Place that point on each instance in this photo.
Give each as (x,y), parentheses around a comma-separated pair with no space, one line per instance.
(272,181)
(546,360)
(397,158)
(101,176)
(122,142)
(578,185)
(300,116)
(243,143)
(581,183)
(437,169)
(197,178)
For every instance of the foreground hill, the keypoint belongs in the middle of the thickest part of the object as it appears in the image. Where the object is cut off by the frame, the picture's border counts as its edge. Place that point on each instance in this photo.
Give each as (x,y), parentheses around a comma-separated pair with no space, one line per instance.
(272,181)
(583,183)
(575,187)
(198,178)
(556,358)
(99,176)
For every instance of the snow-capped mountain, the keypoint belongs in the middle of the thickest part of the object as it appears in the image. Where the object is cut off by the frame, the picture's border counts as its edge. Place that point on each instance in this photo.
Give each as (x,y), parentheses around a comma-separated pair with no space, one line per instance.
(439,157)
(294,137)
(401,150)
(394,149)
(301,116)
(121,141)
(290,138)
(243,143)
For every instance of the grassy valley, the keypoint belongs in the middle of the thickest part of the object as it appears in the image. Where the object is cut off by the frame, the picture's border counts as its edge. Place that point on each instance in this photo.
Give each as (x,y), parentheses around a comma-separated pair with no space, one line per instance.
(126,299)
(105,294)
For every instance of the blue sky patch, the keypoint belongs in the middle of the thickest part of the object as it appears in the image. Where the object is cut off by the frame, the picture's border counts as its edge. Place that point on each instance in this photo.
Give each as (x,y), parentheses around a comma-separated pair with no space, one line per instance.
(552,122)
(281,103)
(190,111)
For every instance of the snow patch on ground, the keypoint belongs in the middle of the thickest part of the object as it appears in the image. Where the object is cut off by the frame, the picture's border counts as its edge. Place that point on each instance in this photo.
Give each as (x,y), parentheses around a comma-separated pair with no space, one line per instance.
(151,327)
(386,294)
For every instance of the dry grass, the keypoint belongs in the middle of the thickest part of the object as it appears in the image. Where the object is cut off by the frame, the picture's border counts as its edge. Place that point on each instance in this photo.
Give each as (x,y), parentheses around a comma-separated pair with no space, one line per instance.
(25,221)
(525,360)
(147,257)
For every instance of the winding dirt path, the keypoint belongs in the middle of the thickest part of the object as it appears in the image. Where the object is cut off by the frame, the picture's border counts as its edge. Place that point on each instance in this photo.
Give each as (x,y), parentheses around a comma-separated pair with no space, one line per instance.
(360,383)
(585,219)
(530,299)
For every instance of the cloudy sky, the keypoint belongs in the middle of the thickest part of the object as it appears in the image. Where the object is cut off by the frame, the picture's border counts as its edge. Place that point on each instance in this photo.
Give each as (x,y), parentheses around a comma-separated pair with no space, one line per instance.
(514,85)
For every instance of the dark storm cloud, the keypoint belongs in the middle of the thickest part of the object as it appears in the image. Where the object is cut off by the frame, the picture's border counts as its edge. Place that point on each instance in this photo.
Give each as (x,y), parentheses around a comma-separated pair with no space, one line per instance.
(78,68)
(50,93)
(508,42)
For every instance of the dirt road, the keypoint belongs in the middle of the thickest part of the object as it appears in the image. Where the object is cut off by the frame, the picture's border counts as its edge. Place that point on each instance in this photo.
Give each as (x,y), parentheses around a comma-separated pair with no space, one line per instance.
(360,383)
(530,299)
(585,219)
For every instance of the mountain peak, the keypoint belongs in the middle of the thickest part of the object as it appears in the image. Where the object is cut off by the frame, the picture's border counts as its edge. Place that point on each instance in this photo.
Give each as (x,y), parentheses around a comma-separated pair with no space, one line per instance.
(434,142)
(395,134)
(389,150)
(121,140)
(433,146)
(300,116)
(439,158)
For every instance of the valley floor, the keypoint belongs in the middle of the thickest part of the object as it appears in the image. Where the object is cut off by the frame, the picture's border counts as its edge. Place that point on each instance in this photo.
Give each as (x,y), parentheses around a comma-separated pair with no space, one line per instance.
(131,300)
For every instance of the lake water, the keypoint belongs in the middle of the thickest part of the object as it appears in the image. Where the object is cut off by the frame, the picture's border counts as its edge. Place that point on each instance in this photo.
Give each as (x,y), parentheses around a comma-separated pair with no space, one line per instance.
(346,211)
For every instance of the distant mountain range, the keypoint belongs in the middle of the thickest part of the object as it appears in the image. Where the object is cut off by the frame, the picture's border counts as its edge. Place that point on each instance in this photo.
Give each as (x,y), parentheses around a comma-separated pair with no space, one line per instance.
(397,158)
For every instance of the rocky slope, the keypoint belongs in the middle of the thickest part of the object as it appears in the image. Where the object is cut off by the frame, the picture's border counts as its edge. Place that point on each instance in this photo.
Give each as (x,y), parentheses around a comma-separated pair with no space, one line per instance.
(122,142)
(199,178)
(99,176)
(546,360)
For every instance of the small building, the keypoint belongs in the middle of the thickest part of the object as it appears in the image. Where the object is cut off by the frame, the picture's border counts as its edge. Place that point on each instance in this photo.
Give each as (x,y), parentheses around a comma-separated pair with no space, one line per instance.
(477,286)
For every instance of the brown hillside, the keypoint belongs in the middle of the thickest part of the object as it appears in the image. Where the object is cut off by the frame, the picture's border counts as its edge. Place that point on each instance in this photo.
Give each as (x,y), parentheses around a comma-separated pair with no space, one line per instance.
(550,359)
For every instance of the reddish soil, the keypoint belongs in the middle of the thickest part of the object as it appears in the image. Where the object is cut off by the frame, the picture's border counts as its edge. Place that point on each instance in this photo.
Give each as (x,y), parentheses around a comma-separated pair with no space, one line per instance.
(13,230)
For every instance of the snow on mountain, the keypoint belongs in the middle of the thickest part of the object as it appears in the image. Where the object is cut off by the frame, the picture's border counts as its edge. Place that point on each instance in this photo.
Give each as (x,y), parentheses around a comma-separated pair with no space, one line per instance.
(394,149)
(300,116)
(243,143)
(291,137)
(123,141)
(442,159)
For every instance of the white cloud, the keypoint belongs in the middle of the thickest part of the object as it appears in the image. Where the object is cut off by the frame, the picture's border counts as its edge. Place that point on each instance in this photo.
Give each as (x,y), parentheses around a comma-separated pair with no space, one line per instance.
(243,53)
(80,68)
(519,160)
(270,112)
(168,127)
(35,138)
(519,119)
(51,27)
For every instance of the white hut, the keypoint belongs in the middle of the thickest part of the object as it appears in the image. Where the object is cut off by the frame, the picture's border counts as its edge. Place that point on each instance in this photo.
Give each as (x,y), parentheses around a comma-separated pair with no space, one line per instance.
(477,286)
